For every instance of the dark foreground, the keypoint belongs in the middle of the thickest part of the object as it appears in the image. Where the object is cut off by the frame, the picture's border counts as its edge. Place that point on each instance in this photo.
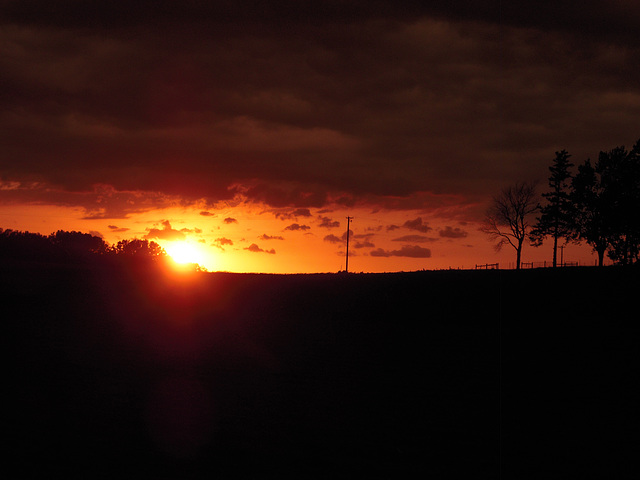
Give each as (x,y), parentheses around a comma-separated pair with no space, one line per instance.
(122,374)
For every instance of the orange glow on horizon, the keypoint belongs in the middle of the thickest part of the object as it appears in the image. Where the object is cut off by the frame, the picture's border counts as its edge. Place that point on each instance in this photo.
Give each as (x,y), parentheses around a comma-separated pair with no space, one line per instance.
(254,238)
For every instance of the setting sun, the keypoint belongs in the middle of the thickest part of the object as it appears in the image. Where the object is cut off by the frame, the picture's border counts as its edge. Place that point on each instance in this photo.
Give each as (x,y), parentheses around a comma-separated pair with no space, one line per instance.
(185,252)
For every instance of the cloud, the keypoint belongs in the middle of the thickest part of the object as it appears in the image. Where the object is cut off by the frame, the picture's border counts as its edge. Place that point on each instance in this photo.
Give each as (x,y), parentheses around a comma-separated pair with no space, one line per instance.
(230,220)
(351,235)
(332,239)
(301,212)
(296,226)
(220,242)
(450,232)
(417,225)
(255,248)
(223,241)
(403,106)
(614,19)
(279,194)
(413,238)
(116,229)
(99,201)
(205,213)
(264,236)
(289,214)
(166,232)
(363,244)
(412,251)
(327,222)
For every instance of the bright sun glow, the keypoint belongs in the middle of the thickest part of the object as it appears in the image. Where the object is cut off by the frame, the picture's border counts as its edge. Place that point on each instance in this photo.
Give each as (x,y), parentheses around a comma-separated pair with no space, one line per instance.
(185,252)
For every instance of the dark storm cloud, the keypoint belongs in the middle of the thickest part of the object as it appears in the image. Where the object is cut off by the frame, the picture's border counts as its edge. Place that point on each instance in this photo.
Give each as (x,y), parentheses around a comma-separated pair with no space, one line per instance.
(99,202)
(614,19)
(298,104)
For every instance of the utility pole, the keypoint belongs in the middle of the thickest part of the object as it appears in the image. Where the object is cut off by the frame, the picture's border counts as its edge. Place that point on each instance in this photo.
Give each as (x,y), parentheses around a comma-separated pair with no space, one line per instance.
(346,267)
(562,256)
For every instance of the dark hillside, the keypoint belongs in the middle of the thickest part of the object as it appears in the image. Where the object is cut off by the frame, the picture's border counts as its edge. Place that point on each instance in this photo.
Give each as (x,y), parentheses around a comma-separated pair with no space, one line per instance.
(136,373)
(569,367)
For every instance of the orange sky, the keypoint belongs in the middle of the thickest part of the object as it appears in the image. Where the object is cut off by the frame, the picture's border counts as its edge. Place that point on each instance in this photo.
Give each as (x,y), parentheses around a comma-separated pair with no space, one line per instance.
(253,238)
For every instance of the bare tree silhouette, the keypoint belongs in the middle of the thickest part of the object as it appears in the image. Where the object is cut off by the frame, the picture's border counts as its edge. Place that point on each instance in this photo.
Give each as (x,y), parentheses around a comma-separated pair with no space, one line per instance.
(507,219)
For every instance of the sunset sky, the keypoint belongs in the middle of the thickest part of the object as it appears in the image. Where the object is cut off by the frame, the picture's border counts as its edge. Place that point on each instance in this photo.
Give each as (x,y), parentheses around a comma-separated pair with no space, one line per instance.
(251,130)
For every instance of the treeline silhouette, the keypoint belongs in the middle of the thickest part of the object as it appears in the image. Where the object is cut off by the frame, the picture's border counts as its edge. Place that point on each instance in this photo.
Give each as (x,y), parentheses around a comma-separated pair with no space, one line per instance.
(599,205)
(74,247)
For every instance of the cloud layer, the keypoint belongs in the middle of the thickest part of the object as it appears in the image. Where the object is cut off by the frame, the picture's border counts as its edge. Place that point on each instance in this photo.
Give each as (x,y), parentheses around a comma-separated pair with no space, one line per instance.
(305,104)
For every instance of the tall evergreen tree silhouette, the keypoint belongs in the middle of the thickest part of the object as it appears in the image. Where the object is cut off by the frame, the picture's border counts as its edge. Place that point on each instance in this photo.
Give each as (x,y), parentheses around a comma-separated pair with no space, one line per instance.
(556,216)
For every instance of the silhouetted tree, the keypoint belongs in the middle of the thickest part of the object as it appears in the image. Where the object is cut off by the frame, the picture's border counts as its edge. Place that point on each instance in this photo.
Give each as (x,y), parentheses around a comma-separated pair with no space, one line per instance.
(64,246)
(625,247)
(606,199)
(620,174)
(138,248)
(556,219)
(507,219)
(590,209)
(18,245)
(79,245)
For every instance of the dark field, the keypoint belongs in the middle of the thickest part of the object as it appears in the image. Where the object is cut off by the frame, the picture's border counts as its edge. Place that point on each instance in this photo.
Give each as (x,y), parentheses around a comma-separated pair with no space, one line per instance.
(135,374)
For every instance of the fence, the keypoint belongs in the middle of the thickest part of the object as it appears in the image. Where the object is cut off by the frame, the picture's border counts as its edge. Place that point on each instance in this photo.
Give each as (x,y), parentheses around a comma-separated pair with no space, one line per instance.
(512,265)
(543,264)
(569,264)
(488,266)
(546,264)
